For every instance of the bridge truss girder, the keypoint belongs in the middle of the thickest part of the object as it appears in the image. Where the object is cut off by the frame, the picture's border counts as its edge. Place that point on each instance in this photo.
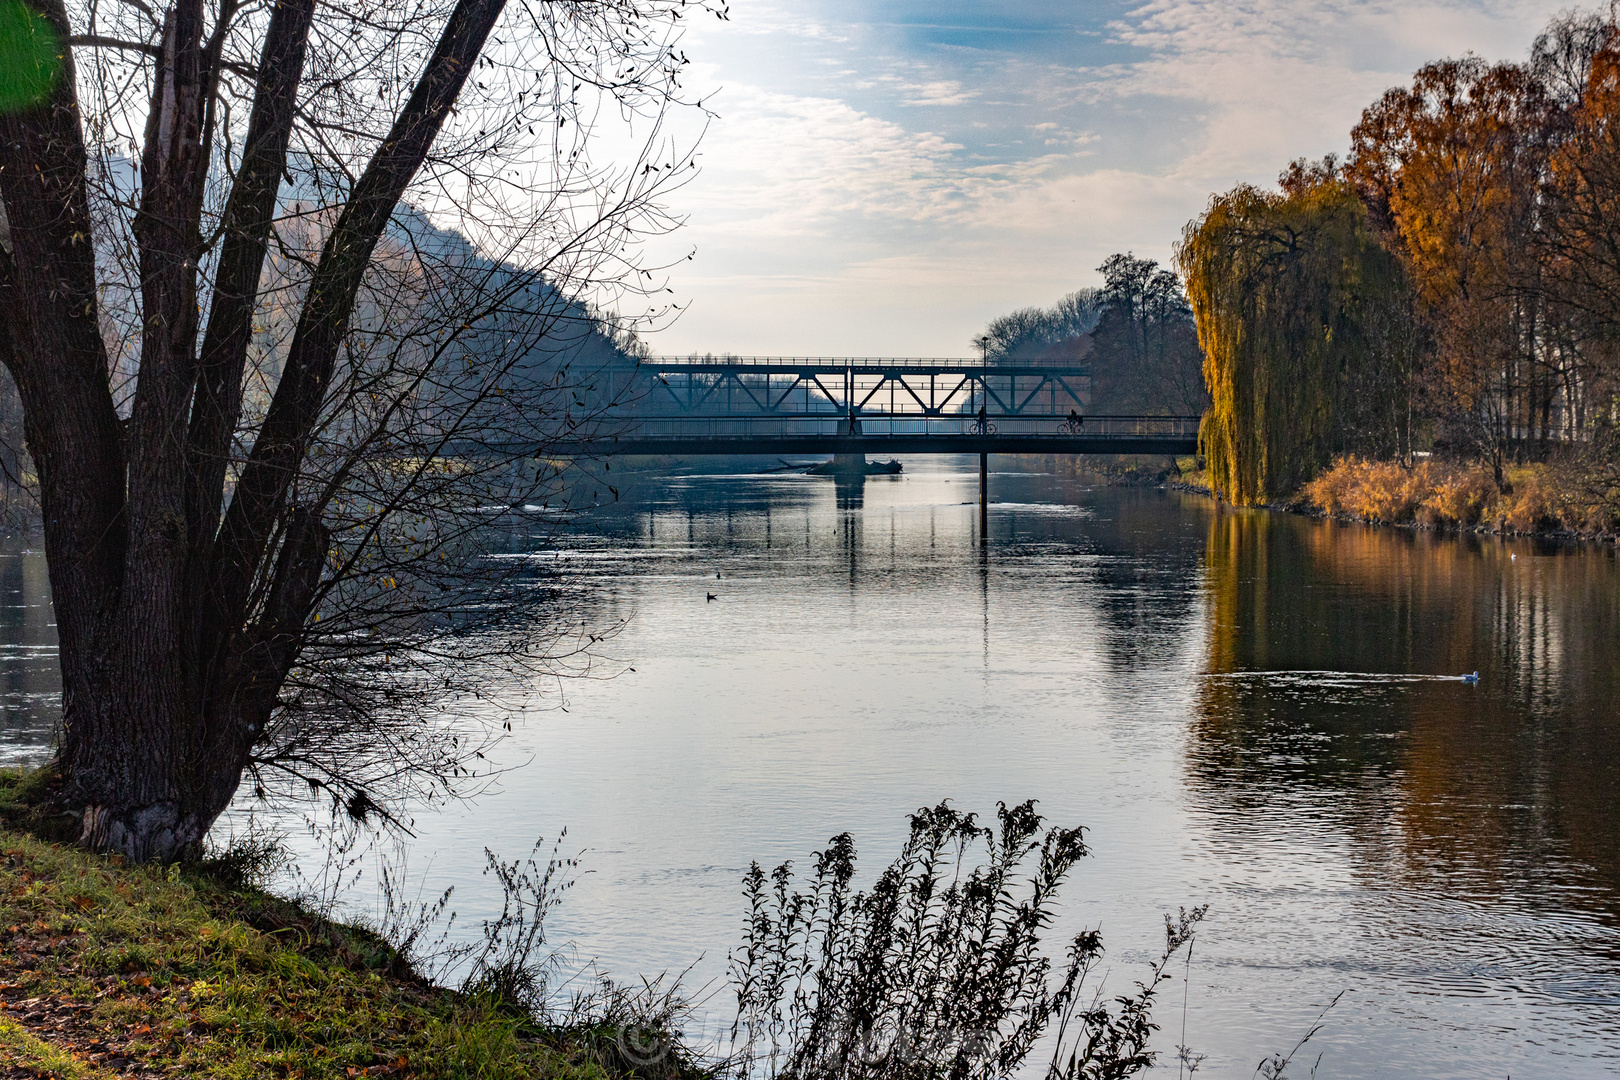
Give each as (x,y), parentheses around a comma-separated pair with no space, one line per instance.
(923,389)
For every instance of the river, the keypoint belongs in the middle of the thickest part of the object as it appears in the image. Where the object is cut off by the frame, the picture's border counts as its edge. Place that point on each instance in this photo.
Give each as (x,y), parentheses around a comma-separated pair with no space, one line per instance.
(1254,711)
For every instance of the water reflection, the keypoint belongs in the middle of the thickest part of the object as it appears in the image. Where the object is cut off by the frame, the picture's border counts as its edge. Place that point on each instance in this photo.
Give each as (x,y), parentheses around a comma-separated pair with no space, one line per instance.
(1354,832)
(850,491)
(30,687)
(1503,787)
(1255,711)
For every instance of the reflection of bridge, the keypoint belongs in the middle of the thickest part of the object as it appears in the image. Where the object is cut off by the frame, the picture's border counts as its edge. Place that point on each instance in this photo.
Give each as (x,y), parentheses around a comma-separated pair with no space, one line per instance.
(817,405)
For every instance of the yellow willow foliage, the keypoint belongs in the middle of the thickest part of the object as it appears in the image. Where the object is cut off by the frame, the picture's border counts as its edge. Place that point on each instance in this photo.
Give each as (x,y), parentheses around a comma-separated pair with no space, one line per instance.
(1289,291)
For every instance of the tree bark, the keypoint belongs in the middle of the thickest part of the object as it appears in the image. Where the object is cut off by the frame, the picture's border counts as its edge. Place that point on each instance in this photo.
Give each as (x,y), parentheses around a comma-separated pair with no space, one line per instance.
(248,217)
(262,490)
(58,361)
(179,627)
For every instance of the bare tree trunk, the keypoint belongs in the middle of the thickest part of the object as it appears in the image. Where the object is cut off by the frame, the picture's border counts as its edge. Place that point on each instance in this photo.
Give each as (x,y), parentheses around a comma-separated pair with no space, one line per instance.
(48,303)
(174,646)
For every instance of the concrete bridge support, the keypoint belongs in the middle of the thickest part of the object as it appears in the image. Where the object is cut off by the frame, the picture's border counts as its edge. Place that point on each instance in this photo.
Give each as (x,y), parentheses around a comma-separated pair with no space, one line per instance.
(850,464)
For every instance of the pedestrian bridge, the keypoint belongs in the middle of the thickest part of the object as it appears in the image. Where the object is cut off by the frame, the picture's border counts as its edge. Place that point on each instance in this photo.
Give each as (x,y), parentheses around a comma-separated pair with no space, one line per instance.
(875,406)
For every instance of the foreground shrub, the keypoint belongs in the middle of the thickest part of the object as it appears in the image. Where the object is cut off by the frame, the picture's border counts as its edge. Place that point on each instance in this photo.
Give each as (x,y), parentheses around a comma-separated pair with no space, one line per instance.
(937,971)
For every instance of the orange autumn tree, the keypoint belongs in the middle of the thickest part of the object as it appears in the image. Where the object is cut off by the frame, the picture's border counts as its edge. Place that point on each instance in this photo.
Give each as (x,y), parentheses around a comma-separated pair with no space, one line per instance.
(1452,169)
(1581,254)
(1495,335)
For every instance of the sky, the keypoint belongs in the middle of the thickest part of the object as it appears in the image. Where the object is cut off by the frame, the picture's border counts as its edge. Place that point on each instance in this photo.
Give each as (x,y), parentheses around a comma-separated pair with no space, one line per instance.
(882,178)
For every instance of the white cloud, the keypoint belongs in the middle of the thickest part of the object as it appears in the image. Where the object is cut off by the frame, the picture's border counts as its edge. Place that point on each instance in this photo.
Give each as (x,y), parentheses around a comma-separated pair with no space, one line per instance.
(779,165)
(1281,78)
(893,201)
(939,92)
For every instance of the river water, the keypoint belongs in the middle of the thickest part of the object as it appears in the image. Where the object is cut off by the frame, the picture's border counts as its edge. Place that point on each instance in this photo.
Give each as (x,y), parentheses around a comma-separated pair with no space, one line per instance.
(1253,711)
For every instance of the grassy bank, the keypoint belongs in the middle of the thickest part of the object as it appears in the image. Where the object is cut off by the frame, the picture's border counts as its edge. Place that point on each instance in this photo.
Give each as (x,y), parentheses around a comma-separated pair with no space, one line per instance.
(109,969)
(112,970)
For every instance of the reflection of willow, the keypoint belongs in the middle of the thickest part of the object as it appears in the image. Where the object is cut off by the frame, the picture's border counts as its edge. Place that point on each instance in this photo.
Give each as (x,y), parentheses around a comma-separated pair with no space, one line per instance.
(1493,783)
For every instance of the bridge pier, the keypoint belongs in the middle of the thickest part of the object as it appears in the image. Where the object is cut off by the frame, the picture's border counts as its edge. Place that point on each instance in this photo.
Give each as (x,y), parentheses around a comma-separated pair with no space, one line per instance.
(984,498)
(850,464)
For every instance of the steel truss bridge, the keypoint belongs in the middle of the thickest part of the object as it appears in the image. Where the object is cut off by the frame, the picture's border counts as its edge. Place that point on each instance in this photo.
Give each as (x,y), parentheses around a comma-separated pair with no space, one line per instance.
(876,405)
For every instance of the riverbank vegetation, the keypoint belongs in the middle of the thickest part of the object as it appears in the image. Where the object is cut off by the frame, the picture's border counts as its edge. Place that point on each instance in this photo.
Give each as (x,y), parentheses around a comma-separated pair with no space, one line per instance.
(109,967)
(1136,334)
(1449,288)
(1539,497)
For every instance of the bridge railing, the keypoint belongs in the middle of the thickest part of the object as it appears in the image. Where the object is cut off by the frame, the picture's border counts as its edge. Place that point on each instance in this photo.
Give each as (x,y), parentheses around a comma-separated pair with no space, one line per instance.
(877,428)
(820,363)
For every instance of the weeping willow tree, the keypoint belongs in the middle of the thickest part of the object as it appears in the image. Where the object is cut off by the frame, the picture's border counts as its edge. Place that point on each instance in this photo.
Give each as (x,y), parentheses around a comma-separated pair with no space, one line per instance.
(1305,322)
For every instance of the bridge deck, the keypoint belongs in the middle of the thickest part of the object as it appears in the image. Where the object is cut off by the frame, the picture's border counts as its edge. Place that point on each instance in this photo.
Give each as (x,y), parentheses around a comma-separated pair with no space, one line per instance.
(898,435)
(827,433)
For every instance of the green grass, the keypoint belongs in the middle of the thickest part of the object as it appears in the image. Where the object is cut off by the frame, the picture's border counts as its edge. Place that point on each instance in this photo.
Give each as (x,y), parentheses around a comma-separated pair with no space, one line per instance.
(22,1052)
(107,968)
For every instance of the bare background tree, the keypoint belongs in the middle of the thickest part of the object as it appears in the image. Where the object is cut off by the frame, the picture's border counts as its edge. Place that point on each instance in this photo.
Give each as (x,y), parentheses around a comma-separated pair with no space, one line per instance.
(1136,334)
(290,293)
